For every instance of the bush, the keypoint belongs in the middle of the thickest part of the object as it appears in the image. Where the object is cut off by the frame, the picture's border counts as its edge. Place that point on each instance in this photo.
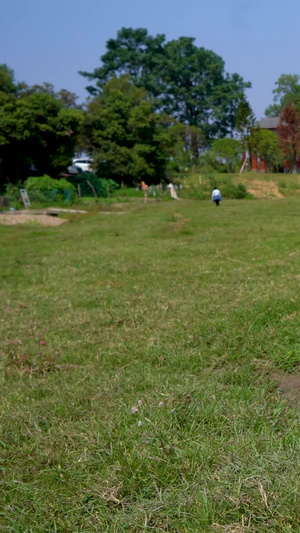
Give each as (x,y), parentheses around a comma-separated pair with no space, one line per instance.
(235,192)
(103,187)
(46,190)
(46,183)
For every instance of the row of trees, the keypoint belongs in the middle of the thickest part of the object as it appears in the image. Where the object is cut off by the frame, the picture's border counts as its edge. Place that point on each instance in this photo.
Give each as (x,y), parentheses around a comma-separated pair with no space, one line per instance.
(277,150)
(154,107)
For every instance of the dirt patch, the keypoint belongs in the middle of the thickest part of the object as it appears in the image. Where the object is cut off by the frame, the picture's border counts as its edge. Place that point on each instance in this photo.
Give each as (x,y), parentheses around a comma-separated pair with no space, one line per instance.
(44,220)
(179,222)
(112,212)
(289,384)
(263,189)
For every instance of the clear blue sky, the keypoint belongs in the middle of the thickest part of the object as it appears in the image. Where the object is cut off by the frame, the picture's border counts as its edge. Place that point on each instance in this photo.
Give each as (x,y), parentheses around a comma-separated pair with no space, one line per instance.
(51,40)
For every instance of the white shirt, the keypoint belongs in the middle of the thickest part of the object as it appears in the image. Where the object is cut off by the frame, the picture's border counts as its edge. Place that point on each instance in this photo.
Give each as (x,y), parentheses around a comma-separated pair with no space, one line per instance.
(215,193)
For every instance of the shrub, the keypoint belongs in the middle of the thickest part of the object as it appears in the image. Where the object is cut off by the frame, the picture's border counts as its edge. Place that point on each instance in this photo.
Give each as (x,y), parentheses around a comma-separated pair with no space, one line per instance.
(235,192)
(46,183)
(47,190)
(101,186)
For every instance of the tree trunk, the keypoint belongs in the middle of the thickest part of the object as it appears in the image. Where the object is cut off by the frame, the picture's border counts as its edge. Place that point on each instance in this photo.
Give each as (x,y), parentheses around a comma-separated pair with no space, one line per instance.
(294,164)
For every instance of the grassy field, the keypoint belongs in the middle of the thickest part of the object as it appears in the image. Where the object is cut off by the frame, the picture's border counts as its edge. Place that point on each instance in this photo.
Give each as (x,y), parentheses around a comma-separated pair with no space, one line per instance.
(136,355)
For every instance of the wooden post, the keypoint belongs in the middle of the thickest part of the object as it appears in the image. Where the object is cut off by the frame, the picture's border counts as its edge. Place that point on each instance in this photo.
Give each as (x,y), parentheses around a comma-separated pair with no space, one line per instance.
(244,163)
(95,194)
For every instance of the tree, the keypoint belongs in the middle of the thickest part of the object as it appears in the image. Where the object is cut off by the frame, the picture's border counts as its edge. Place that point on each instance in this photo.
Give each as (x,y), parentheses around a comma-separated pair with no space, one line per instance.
(36,128)
(133,53)
(287,91)
(189,141)
(67,98)
(130,142)
(189,83)
(8,85)
(226,151)
(246,125)
(267,147)
(289,134)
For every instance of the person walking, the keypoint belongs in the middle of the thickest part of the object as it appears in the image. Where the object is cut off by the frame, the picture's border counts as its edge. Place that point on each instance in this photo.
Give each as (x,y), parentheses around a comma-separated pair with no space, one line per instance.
(216,196)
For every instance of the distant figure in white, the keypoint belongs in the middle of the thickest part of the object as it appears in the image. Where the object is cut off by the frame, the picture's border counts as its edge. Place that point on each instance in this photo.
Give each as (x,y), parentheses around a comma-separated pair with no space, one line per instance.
(172,191)
(216,196)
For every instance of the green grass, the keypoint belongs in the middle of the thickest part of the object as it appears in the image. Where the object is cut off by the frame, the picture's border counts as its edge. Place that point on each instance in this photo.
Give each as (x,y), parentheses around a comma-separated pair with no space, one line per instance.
(177,302)
(288,185)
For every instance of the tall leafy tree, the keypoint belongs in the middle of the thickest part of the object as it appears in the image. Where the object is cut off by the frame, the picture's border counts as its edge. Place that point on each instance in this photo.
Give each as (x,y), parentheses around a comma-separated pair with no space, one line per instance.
(289,134)
(226,152)
(130,142)
(266,145)
(190,141)
(35,127)
(287,91)
(188,82)
(246,125)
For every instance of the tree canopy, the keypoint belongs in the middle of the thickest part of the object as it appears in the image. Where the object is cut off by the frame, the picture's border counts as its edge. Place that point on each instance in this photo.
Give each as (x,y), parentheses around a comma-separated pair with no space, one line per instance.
(287,91)
(266,145)
(188,82)
(130,142)
(226,152)
(36,127)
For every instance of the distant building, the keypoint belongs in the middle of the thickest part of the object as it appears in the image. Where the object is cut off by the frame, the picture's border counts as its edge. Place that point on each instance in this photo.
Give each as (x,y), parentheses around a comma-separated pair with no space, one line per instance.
(269,123)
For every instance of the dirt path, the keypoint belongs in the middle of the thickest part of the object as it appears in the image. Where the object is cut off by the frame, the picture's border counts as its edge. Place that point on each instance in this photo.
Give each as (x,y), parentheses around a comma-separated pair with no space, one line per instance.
(44,220)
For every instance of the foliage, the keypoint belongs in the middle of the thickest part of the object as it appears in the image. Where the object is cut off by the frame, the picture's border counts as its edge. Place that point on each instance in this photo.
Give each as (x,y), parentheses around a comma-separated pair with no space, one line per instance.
(289,134)
(44,190)
(103,187)
(225,152)
(8,86)
(236,192)
(190,140)
(267,147)
(35,127)
(129,141)
(246,125)
(194,193)
(46,183)
(189,83)
(286,92)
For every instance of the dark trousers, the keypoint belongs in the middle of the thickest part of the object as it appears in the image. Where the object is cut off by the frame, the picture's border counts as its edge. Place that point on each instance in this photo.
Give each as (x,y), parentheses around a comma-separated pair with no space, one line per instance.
(217,202)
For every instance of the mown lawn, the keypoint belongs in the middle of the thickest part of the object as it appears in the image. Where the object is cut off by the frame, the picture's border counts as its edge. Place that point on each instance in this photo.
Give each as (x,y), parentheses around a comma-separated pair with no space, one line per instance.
(176,310)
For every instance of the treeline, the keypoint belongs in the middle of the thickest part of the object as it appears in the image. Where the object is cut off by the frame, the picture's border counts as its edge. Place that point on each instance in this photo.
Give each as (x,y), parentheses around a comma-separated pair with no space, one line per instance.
(155,107)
